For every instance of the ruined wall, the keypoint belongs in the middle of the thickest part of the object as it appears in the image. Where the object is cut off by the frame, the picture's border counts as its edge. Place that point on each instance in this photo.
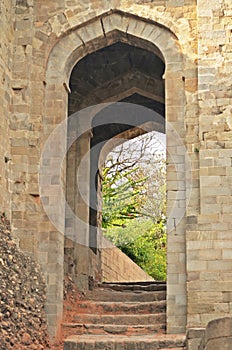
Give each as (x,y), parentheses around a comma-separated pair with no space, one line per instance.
(5,103)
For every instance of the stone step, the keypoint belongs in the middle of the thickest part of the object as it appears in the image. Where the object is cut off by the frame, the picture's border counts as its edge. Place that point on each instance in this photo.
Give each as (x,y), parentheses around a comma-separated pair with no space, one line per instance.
(125,296)
(107,307)
(137,286)
(141,283)
(118,316)
(79,328)
(130,319)
(118,342)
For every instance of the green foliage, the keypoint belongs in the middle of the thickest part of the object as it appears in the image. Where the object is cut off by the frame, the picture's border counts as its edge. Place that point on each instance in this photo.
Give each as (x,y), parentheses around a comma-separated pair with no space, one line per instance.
(134,200)
(121,195)
(145,243)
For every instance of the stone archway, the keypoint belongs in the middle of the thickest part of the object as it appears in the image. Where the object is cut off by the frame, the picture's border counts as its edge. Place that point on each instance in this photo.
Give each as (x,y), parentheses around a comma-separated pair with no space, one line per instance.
(111,73)
(87,38)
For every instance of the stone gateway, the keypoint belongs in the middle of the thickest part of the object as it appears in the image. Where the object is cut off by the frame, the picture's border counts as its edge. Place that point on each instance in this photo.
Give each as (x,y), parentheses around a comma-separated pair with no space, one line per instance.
(63,65)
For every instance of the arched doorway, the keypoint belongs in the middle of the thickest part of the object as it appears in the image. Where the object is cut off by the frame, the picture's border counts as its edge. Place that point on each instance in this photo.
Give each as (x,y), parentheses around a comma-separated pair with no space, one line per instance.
(105,75)
(156,39)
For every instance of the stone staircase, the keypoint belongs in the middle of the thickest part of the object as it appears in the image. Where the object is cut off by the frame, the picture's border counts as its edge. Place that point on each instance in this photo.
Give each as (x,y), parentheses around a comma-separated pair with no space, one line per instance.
(117,316)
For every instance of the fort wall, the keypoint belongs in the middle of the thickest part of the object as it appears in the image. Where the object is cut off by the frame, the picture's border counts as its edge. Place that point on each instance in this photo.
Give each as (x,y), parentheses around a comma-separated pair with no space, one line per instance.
(41,42)
(6,49)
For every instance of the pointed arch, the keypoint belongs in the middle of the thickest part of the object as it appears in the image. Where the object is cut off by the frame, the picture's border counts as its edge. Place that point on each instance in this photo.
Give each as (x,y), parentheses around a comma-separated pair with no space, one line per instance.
(89,37)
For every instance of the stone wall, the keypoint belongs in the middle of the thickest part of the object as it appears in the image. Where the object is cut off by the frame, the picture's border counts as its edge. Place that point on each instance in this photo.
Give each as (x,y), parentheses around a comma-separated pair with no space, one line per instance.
(5,103)
(24,132)
(117,267)
(209,245)
(41,42)
(96,34)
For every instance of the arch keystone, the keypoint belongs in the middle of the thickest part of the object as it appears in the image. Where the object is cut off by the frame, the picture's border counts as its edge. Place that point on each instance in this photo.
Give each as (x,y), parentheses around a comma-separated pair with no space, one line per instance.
(115,21)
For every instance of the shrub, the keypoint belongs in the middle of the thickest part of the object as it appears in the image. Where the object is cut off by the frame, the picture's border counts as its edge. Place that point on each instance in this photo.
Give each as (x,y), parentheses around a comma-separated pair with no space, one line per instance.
(144,242)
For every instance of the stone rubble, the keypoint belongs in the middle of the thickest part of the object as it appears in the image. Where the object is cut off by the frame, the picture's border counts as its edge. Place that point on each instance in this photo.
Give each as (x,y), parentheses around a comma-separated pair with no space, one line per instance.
(22,298)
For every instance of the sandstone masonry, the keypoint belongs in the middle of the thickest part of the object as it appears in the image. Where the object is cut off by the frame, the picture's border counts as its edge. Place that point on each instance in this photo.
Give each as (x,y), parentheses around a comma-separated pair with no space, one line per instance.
(42,43)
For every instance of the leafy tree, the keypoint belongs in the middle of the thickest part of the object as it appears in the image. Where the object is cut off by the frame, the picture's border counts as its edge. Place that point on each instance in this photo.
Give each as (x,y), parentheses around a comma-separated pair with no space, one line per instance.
(133,182)
(122,195)
(134,204)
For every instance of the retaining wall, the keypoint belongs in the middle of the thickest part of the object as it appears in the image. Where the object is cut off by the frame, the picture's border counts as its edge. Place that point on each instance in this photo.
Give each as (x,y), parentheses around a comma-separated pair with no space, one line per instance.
(118,267)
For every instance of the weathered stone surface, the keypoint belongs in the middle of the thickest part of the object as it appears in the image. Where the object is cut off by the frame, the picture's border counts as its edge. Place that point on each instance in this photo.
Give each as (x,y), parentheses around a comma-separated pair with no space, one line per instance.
(116,267)
(104,333)
(122,342)
(41,42)
(218,335)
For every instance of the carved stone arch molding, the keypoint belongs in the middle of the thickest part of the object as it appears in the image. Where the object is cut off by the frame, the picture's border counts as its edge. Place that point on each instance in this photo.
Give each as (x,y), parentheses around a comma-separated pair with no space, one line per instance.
(87,38)
(105,30)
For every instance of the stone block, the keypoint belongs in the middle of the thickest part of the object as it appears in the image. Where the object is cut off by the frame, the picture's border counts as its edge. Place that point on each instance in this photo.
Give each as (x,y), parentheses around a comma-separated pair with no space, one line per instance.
(91,32)
(218,327)
(196,265)
(210,209)
(201,244)
(227,254)
(219,344)
(135,27)
(219,265)
(209,276)
(113,22)
(193,344)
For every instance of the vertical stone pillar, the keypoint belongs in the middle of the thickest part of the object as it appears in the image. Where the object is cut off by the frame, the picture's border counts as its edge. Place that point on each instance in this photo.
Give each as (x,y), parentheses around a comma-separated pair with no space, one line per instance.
(82,191)
(77,219)
(51,228)
(176,202)
(80,261)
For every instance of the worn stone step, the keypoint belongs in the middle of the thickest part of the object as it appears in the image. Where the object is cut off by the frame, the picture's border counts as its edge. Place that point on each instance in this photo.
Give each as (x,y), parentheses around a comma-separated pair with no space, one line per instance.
(120,319)
(79,328)
(145,286)
(107,307)
(141,283)
(118,342)
(139,296)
